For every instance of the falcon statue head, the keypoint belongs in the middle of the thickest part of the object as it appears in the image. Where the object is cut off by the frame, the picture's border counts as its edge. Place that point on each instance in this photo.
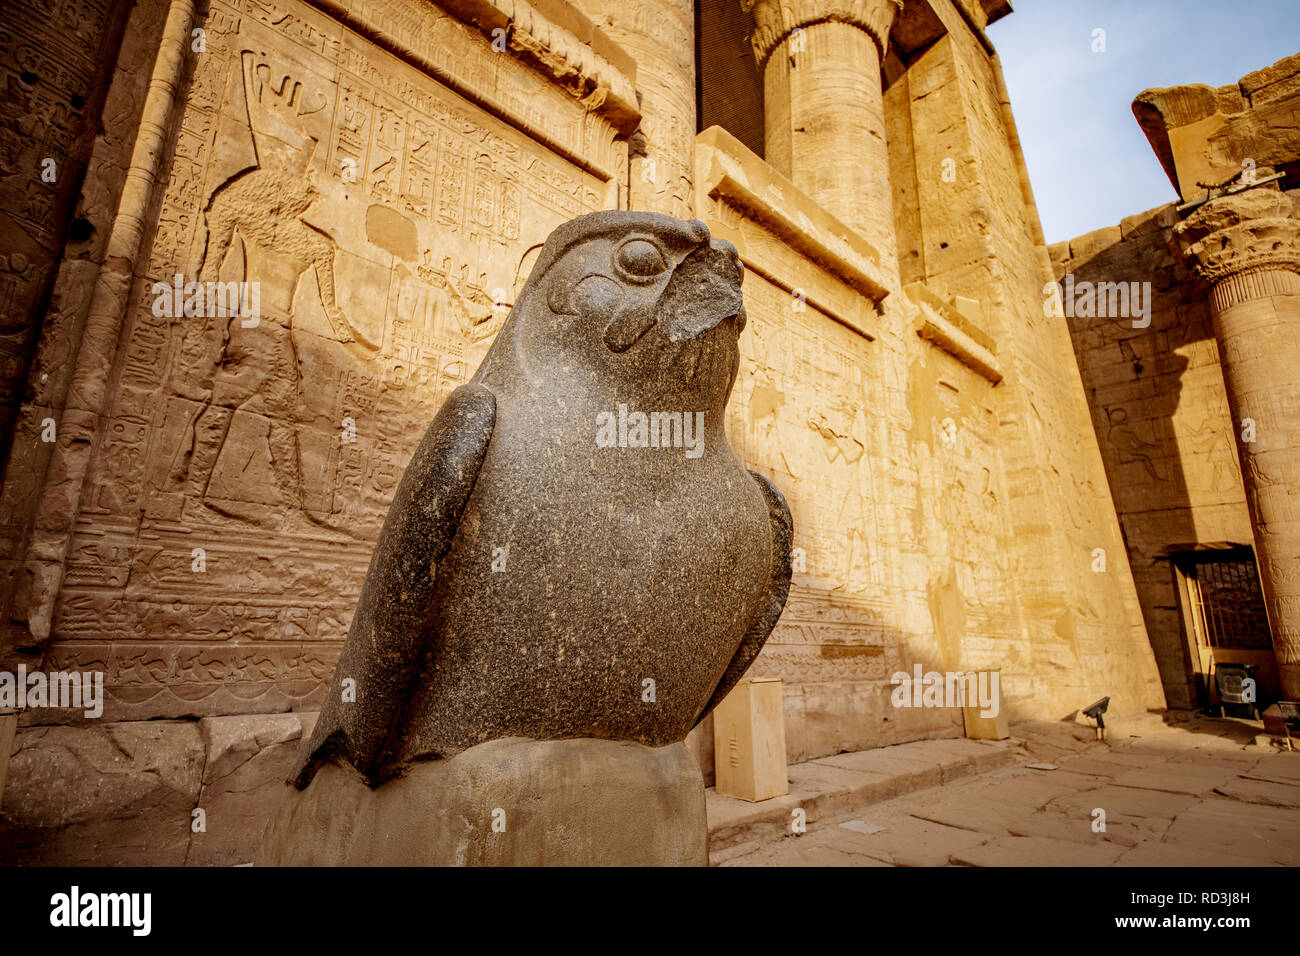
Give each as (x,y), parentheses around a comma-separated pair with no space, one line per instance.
(649,303)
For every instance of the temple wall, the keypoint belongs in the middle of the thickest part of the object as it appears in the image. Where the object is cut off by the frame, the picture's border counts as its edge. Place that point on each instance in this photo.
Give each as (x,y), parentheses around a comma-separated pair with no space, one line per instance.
(389,220)
(1160,411)
(979,238)
(1156,383)
(200,529)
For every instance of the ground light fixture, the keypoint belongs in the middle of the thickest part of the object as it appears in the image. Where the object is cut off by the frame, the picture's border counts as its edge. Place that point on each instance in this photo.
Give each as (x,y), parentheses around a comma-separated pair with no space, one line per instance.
(1095,711)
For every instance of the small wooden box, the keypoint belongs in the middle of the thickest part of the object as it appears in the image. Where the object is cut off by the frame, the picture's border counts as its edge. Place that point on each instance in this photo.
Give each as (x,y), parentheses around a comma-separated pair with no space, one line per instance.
(749,741)
(987,728)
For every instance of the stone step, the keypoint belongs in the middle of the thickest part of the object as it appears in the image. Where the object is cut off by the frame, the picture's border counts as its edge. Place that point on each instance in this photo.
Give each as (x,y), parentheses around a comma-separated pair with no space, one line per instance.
(849,781)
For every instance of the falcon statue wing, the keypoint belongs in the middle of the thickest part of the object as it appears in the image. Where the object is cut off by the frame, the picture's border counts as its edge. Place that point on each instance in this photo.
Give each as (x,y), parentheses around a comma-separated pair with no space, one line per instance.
(778,513)
(388,631)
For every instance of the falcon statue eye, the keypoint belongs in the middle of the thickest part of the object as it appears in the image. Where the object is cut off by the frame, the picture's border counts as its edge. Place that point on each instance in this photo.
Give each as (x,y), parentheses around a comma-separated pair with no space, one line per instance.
(640,259)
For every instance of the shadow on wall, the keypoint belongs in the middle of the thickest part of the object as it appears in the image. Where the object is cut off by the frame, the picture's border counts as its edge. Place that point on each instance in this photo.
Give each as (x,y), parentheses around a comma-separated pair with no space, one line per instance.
(1158,405)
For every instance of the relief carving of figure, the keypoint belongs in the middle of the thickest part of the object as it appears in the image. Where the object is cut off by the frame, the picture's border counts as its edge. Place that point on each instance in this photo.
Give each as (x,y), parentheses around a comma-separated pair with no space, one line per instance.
(256,227)
(1132,447)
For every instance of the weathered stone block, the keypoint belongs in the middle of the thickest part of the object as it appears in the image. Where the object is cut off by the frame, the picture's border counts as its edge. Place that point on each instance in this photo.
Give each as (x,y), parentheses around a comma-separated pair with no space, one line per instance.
(1087,246)
(248,760)
(102,795)
(508,802)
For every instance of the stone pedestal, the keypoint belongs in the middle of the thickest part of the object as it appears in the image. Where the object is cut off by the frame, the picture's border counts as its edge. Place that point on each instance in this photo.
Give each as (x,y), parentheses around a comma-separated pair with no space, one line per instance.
(824,110)
(749,741)
(508,802)
(1248,247)
(979,727)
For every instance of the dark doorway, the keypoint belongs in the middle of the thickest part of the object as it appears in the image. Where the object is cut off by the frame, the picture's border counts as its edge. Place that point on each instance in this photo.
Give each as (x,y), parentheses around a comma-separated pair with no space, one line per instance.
(1224,618)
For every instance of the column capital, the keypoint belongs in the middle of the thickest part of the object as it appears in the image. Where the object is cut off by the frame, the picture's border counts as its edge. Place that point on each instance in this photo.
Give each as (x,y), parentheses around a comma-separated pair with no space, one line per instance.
(1248,232)
(774,20)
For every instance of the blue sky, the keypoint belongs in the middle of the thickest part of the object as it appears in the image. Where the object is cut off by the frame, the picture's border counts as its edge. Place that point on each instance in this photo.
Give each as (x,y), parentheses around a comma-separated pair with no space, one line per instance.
(1088,161)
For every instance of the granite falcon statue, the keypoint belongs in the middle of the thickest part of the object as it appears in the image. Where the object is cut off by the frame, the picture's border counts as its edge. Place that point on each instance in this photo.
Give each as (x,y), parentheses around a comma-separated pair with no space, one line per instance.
(574,549)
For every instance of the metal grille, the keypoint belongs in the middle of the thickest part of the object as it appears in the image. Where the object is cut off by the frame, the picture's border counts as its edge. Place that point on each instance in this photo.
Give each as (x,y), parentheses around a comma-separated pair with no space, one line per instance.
(1229,604)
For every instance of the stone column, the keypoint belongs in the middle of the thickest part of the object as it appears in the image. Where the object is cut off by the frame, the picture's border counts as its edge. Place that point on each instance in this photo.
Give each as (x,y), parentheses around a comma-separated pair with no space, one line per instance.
(824,109)
(1248,247)
(660,36)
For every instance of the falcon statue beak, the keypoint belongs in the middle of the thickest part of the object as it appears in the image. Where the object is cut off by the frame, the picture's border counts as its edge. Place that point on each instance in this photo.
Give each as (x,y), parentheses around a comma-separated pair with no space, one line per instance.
(703,292)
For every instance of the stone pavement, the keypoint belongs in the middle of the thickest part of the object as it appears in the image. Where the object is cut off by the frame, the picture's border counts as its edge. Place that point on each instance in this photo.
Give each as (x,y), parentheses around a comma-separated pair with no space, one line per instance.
(1194,793)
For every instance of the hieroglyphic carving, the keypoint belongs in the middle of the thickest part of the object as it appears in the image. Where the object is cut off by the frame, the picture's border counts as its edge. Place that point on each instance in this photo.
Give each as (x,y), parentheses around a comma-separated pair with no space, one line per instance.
(50,62)
(825,635)
(847,408)
(1131,447)
(817,444)
(1209,437)
(451,51)
(176,678)
(384,219)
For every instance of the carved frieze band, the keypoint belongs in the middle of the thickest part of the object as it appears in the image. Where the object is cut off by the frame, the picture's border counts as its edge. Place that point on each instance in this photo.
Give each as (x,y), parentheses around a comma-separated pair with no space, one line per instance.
(775,20)
(1259,282)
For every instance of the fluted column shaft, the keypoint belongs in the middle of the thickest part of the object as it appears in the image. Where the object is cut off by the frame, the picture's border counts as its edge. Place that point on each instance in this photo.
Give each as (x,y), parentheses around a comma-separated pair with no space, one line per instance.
(660,36)
(824,107)
(1248,247)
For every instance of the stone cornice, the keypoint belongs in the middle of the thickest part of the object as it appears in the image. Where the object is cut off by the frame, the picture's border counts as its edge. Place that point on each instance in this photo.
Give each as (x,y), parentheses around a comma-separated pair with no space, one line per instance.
(551,36)
(557,39)
(726,170)
(944,327)
(1255,231)
(774,20)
